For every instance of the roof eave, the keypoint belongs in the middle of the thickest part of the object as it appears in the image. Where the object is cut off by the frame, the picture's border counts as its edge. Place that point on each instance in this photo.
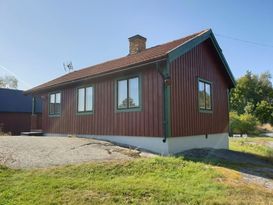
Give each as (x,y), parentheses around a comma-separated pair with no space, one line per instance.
(122,69)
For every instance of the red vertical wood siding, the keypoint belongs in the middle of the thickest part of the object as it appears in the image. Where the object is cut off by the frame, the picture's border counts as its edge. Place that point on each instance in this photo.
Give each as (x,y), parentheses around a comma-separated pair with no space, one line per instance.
(15,122)
(186,120)
(36,121)
(105,120)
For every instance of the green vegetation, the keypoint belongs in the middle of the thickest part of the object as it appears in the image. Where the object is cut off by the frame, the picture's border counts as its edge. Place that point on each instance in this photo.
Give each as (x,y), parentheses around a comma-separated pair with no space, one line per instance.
(250,90)
(261,146)
(144,181)
(264,111)
(243,124)
(160,180)
(251,103)
(8,81)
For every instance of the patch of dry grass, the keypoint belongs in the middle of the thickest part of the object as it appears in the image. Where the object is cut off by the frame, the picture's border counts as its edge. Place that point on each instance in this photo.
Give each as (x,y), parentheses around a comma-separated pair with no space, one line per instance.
(242,192)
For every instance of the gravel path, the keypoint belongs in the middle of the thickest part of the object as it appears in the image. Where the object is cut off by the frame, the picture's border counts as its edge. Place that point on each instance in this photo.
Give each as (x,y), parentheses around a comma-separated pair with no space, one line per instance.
(37,152)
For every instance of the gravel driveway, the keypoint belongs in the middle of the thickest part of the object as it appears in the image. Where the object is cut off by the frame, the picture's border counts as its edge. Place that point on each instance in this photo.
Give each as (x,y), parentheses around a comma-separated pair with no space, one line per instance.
(37,152)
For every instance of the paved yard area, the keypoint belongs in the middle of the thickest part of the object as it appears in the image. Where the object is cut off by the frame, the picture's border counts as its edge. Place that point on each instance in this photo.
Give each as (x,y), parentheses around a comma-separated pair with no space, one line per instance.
(36,152)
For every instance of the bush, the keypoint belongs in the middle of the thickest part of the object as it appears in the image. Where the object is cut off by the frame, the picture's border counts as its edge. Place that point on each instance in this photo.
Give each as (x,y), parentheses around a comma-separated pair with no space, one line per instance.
(264,112)
(243,124)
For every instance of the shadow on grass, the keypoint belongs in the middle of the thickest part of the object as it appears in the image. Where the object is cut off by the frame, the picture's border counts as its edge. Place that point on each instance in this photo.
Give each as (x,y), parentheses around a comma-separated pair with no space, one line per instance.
(244,162)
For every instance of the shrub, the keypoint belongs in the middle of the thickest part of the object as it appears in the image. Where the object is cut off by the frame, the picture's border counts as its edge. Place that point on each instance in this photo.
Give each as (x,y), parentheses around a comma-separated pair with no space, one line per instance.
(243,124)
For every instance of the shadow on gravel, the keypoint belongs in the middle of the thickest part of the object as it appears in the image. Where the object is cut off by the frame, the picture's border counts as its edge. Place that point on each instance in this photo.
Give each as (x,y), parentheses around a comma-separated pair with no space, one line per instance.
(239,161)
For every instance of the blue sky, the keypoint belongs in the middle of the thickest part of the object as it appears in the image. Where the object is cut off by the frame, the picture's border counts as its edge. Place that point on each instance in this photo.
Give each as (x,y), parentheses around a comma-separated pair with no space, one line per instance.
(38,36)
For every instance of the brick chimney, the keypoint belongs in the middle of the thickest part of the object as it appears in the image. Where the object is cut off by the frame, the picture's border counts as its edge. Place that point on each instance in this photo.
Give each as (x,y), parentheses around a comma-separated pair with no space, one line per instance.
(137,44)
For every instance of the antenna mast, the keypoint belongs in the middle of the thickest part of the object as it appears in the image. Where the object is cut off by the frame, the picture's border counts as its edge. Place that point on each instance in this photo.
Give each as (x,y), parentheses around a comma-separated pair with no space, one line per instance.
(68,66)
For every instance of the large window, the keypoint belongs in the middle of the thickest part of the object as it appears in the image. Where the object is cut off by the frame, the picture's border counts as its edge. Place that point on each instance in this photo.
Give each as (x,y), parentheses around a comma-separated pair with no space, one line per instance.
(55,103)
(128,93)
(205,95)
(85,99)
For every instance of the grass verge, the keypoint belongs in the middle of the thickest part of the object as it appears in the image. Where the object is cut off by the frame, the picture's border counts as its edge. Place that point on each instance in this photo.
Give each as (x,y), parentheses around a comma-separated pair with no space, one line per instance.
(144,181)
(162,180)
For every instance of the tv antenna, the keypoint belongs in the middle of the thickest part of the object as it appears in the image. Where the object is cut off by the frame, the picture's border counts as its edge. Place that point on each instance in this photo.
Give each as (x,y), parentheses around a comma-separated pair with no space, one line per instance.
(68,66)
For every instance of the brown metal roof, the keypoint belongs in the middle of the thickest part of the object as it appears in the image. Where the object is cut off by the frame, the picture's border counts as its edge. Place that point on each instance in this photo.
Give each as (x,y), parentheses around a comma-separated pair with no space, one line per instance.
(148,55)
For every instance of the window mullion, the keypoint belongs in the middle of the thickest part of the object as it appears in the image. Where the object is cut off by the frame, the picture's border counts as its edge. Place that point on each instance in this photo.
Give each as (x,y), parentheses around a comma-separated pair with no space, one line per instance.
(205,95)
(54,105)
(84,101)
(78,93)
(117,97)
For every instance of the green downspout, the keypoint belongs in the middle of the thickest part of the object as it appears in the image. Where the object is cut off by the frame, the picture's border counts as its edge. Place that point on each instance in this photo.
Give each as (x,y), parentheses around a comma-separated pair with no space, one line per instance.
(165,75)
(228,105)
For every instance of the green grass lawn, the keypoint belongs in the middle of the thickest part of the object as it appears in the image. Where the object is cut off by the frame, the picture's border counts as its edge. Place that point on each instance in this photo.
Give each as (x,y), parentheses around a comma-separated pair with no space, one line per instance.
(254,145)
(160,180)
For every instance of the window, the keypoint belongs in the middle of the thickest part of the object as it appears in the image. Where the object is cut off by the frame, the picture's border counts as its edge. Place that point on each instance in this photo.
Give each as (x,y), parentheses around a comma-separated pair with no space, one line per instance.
(205,97)
(128,93)
(85,99)
(55,103)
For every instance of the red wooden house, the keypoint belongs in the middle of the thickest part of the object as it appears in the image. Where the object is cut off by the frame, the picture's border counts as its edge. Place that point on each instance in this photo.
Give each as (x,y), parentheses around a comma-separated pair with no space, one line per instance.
(166,99)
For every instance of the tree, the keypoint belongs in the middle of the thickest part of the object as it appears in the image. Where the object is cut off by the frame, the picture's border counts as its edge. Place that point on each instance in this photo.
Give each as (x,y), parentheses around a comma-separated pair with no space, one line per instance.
(249,108)
(244,92)
(8,82)
(265,86)
(253,95)
(264,111)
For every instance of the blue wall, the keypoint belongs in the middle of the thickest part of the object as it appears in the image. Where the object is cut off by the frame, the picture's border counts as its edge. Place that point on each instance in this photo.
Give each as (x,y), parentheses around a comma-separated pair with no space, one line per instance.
(15,101)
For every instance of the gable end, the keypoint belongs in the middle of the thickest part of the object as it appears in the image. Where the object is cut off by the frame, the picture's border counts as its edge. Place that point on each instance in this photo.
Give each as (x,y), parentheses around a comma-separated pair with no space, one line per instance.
(187,46)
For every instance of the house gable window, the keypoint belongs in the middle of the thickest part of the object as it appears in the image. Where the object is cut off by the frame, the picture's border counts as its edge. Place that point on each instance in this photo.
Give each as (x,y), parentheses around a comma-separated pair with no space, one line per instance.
(128,95)
(55,103)
(85,99)
(204,95)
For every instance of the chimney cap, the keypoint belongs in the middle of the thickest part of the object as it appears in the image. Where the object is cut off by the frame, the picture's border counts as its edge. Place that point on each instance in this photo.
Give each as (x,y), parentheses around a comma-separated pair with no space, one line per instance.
(137,37)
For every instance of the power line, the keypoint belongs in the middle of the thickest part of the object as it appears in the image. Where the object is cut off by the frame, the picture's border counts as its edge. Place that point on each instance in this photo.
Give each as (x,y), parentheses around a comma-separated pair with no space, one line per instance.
(245,41)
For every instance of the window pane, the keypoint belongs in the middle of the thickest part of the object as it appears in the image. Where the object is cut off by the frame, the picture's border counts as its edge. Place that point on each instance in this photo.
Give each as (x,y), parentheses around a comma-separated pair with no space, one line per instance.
(201,93)
(133,93)
(208,96)
(58,97)
(89,101)
(122,94)
(81,100)
(52,98)
(51,104)
(57,108)
(58,103)
(51,108)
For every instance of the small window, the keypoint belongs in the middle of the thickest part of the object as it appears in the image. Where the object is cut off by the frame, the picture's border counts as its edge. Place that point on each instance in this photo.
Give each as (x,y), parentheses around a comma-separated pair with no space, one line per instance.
(55,104)
(128,93)
(85,99)
(205,97)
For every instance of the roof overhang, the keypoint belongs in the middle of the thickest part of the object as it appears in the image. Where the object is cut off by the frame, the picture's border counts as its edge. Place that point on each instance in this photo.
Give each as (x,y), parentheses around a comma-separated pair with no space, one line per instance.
(190,44)
(87,78)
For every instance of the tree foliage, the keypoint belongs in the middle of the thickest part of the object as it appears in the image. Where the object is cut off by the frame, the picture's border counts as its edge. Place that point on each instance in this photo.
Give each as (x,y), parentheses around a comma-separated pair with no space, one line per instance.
(8,81)
(264,112)
(254,95)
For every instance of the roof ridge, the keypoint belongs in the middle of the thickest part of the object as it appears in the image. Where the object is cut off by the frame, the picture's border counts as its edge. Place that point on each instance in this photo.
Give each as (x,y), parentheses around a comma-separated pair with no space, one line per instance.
(194,36)
(119,58)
